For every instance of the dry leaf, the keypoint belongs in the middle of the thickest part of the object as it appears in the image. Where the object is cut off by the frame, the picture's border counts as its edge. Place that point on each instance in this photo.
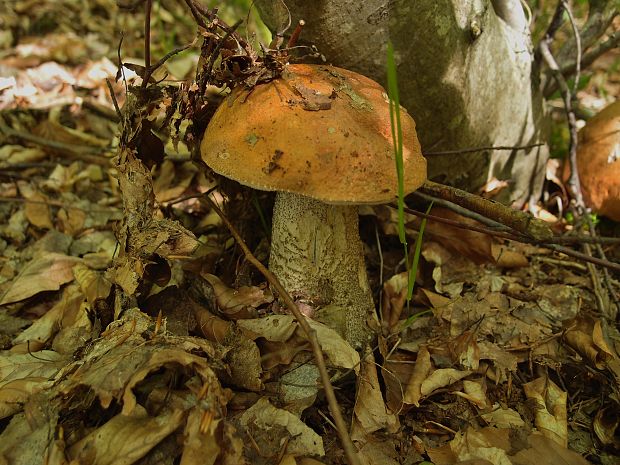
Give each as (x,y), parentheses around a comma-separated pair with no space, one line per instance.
(396,373)
(45,327)
(45,272)
(463,242)
(475,392)
(492,446)
(550,414)
(94,284)
(125,438)
(370,413)
(172,180)
(606,425)
(338,351)
(442,378)
(280,328)
(508,258)
(200,445)
(489,446)
(275,328)
(276,425)
(503,417)
(238,303)
(37,208)
(393,300)
(421,369)
(586,337)
(22,375)
(545,451)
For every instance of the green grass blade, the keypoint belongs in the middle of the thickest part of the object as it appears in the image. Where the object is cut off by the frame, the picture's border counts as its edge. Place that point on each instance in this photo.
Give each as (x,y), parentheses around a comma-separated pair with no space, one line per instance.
(397,138)
(413,271)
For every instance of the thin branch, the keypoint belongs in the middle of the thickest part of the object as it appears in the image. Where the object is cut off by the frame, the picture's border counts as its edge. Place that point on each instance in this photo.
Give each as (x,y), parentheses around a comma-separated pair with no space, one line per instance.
(147,42)
(586,60)
(494,225)
(196,13)
(470,227)
(334,408)
(478,149)
(556,22)
(219,46)
(573,182)
(119,114)
(73,151)
(581,239)
(585,257)
(516,219)
(578,53)
(550,244)
(172,53)
(600,16)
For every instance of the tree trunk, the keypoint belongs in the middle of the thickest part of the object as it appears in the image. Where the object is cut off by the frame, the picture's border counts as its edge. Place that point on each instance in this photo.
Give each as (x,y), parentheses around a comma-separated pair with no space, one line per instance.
(465,75)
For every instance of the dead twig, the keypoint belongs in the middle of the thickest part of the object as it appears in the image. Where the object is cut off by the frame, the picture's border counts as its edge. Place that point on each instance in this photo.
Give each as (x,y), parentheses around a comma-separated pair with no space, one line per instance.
(573,181)
(73,151)
(147,42)
(519,221)
(578,52)
(574,184)
(478,149)
(334,408)
(590,57)
(550,244)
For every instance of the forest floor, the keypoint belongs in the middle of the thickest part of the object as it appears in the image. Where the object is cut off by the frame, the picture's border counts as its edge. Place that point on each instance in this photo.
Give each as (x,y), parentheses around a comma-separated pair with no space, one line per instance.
(179,353)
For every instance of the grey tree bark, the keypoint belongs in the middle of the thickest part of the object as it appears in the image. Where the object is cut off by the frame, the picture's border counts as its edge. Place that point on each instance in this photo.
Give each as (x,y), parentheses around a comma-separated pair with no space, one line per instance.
(465,71)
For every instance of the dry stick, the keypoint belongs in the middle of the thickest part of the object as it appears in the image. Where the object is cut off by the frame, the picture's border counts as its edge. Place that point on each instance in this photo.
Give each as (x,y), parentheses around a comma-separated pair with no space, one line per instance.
(334,408)
(71,151)
(524,239)
(600,16)
(457,224)
(574,184)
(596,280)
(590,57)
(498,229)
(196,13)
(571,19)
(494,225)
(581,239)
(478,149)
(516,219)
(147,42)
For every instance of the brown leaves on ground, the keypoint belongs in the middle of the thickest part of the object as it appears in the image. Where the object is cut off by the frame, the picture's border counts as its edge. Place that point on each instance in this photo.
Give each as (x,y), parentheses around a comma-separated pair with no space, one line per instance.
(492,446)
(124,340)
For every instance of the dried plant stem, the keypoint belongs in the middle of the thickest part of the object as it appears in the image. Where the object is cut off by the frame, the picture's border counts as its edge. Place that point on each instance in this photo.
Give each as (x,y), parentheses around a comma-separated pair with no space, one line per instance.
(485,147)
(549,244)
(516,219)
(574,185)
(71,151)
(334,408)
(147,41)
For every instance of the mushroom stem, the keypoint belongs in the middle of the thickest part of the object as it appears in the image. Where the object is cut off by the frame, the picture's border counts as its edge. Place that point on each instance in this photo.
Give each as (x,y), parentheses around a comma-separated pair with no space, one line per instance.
(317,255)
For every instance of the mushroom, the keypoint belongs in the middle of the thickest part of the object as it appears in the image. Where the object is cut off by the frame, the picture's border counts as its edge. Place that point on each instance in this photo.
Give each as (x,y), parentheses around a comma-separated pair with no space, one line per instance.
(598,161)
(321,138)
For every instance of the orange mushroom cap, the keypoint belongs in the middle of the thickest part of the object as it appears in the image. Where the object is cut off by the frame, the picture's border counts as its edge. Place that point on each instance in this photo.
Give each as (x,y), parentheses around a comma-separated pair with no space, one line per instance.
(598,161)
(318,131)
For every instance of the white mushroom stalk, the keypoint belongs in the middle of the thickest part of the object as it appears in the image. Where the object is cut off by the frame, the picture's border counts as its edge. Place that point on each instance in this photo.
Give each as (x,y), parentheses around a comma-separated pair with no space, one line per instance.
(317,255)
